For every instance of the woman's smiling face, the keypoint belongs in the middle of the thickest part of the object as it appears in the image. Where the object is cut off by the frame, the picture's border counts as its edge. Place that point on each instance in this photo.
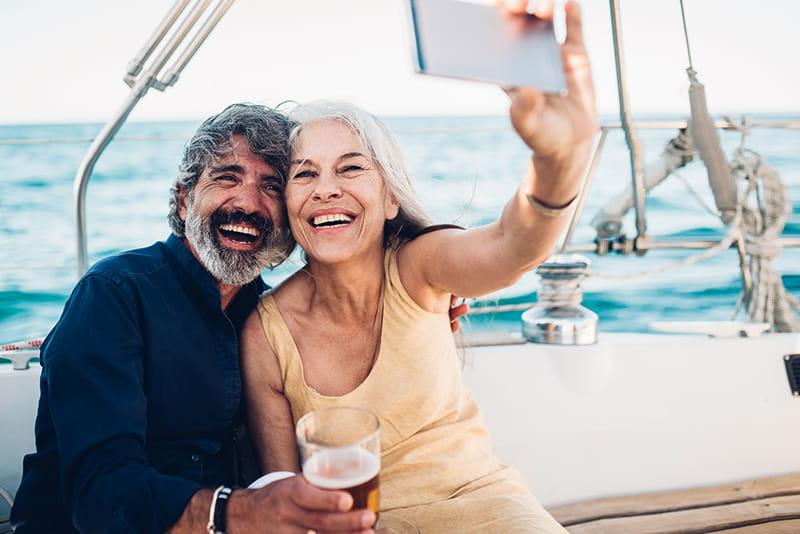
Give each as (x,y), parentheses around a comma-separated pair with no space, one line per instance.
(335,197)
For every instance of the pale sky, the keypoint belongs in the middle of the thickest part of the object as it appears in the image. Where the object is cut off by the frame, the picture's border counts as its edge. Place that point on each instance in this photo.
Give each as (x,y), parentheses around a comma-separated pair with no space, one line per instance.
(63,61)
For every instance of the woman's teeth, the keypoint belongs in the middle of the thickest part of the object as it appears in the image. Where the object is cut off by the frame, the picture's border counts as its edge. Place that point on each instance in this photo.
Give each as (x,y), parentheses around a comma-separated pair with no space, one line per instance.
(334,219)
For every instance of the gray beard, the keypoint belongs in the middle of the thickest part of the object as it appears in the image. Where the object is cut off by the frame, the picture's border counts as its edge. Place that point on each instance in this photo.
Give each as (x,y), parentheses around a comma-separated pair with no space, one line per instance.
(235,267)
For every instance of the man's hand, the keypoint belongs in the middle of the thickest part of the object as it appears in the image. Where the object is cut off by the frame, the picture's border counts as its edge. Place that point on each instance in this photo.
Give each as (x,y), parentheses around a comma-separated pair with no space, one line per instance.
(294,506)
(456,313)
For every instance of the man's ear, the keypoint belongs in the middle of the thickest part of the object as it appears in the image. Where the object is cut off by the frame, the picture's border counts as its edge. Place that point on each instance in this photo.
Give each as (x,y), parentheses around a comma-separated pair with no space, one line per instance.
(182,208)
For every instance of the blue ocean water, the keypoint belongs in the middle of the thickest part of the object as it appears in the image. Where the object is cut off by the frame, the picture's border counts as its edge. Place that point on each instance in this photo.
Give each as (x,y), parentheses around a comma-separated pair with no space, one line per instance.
(465,168)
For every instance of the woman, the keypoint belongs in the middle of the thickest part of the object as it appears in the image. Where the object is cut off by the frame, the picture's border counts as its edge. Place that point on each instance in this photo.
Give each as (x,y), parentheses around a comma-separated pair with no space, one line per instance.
(365,322)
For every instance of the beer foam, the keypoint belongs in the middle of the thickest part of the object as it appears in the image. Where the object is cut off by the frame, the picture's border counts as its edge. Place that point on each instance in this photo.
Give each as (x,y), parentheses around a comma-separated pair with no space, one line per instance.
(341,468)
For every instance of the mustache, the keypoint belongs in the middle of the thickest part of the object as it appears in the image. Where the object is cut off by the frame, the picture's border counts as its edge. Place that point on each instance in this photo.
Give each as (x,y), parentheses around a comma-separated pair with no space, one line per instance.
(221,216)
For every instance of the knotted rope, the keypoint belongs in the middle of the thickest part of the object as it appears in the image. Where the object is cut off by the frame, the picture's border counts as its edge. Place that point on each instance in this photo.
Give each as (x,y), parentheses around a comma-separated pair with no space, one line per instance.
(765,207)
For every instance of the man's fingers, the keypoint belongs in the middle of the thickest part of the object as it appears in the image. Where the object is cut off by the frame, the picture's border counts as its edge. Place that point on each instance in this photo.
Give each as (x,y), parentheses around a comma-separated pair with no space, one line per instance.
(456,312)
(355,521)
(311,498)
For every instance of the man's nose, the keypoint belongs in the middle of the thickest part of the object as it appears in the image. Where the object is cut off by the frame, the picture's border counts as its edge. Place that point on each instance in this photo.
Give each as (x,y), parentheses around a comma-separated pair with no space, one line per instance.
(248,199)
(327,187)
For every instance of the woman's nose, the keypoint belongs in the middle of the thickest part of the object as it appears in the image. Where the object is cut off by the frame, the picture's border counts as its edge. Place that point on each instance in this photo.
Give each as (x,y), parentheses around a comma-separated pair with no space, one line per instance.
(326,187)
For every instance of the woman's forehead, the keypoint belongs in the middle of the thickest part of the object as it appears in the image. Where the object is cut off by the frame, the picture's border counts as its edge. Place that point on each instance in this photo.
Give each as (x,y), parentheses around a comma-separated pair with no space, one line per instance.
(328,136)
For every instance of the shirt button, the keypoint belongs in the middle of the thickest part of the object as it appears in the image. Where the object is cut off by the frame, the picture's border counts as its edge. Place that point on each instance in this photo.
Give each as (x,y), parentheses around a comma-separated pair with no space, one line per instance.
(195,458)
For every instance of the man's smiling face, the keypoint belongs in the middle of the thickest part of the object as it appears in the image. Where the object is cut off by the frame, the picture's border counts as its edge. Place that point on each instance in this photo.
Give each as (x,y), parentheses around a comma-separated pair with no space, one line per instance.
(235,216)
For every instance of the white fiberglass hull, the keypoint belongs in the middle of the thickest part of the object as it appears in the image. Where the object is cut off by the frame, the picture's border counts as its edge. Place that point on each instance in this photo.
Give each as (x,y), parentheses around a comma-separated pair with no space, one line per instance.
(639,412)
(633,413)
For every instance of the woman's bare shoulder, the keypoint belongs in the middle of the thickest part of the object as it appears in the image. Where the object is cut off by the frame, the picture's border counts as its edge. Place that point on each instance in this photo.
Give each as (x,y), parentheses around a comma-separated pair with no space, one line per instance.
(414,257)
(291,291)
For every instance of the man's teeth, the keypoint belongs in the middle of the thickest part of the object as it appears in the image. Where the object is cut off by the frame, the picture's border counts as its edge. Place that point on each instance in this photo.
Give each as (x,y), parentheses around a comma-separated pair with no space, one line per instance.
(332,219)
(241,229)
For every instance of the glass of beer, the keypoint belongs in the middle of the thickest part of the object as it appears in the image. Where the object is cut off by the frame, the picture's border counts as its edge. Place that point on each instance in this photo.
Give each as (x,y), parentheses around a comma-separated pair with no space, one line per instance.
(340,449)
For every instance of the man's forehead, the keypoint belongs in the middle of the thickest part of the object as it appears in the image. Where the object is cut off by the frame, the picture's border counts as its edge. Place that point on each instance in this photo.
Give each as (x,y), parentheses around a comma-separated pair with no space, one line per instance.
(240,156)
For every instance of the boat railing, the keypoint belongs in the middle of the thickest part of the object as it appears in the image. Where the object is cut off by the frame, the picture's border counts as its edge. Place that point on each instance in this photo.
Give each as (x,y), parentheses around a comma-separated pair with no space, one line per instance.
(620,244)
(141,76)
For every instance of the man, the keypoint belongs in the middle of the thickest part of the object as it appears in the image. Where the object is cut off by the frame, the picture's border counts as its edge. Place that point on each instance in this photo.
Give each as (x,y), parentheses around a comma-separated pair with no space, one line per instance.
(140,384)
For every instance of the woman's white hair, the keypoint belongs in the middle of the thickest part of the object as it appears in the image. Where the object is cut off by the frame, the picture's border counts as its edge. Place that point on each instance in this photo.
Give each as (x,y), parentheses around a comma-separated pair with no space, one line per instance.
(385,152)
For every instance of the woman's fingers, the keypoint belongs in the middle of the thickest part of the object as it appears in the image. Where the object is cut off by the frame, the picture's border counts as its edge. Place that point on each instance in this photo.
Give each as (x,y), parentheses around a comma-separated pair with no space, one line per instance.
(541,8)
(516,6)
(577,70)
(574,23)
(527,104)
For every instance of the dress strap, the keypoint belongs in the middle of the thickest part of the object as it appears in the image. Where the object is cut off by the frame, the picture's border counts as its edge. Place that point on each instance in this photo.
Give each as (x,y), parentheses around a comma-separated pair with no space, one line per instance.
(437,227)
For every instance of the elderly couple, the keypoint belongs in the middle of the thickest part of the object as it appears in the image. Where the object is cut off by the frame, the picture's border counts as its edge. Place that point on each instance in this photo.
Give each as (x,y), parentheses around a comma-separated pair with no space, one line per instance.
(160,352)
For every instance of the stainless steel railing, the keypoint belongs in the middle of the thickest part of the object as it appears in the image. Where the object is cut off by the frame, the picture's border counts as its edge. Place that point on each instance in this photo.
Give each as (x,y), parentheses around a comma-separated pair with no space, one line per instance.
(634,145)
(141,76)
(624,245)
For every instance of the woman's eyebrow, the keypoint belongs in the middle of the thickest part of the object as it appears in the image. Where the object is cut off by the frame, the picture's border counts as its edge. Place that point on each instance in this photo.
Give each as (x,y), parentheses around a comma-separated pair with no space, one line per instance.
(351,155)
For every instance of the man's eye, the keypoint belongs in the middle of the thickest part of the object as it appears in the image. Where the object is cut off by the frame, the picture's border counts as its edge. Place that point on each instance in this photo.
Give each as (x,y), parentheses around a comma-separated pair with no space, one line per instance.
(225,178)
(272,186)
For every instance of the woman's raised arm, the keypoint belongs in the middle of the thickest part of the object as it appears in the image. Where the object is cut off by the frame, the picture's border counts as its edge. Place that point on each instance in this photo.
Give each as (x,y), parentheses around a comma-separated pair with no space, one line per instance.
(559,129)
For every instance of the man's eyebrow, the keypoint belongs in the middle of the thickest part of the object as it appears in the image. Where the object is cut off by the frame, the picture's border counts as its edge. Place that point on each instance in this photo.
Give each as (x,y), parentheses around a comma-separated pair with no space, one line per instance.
(238,169)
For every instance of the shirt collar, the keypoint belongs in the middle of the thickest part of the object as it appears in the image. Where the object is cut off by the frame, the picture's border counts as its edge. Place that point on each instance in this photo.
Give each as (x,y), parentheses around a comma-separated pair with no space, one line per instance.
(203,279)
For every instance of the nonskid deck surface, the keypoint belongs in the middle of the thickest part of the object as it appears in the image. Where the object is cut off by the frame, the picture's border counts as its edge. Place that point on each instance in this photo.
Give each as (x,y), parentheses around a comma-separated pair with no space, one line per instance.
(753,506)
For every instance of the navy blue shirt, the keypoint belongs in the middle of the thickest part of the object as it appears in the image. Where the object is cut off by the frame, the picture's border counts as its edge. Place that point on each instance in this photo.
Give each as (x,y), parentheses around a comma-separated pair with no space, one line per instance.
(140,388)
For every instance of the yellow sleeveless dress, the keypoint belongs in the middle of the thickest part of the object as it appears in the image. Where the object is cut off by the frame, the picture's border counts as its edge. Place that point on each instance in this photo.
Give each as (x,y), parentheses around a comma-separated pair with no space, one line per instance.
(437,467)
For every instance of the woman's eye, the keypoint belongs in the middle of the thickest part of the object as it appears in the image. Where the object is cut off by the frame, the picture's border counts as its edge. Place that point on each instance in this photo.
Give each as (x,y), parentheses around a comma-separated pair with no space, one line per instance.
(304,174)
(351,168)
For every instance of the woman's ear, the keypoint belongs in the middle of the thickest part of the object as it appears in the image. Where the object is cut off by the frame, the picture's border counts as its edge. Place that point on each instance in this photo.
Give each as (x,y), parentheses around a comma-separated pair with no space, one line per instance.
(390,207)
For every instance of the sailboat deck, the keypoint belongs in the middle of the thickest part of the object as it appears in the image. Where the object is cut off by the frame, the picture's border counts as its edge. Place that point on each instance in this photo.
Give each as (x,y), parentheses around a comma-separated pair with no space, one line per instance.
(752,506)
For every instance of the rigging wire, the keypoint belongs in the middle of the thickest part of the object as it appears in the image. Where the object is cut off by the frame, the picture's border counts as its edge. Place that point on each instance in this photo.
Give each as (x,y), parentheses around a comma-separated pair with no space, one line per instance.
(686,37)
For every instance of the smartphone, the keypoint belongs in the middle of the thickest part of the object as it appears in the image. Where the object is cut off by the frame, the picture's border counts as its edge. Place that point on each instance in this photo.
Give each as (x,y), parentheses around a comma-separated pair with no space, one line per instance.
(473,41)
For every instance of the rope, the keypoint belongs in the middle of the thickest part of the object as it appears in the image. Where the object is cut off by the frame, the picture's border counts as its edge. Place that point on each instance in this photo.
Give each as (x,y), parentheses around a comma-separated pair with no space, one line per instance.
(21,345)
(765,209)
(560,293)
(761,213)
(724,244)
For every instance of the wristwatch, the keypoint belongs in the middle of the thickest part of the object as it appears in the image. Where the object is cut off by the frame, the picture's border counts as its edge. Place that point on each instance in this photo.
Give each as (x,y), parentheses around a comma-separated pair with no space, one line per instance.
(217,512)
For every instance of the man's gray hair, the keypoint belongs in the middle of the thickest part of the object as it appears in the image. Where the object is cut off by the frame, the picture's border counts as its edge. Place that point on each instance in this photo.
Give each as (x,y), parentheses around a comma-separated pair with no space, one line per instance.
(265,130)
(384,150)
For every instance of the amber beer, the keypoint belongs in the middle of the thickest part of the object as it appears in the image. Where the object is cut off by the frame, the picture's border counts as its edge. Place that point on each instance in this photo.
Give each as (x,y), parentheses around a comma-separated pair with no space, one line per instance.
(352,469)
(340,449)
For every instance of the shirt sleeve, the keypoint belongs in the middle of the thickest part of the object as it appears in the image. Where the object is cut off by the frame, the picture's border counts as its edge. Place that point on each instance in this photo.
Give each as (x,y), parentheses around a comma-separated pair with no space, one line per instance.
(93,364)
